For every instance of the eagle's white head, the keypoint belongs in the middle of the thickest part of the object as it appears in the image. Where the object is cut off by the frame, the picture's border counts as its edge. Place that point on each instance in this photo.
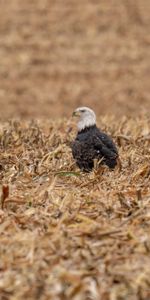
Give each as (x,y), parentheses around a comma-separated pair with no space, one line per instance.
(86,116)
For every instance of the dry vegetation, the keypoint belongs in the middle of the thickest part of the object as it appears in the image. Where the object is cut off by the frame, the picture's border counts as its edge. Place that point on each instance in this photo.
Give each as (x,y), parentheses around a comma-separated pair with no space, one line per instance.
(65,234)
(69,235)
(74,52)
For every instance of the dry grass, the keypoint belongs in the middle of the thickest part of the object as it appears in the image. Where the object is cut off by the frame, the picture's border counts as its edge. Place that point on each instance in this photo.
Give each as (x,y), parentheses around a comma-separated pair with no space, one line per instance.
(64,234)
(69,235)
(74,53)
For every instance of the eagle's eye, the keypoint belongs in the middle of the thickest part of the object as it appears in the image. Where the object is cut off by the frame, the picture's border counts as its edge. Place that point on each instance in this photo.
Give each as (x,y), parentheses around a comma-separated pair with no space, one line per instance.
(82,110)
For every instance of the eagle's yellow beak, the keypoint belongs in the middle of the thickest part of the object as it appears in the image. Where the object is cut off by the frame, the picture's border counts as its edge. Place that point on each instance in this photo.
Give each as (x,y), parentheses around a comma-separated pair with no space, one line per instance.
(76,114)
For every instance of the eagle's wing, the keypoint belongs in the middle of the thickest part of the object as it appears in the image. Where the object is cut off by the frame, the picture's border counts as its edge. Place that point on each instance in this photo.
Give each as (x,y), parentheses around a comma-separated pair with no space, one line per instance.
(104,144)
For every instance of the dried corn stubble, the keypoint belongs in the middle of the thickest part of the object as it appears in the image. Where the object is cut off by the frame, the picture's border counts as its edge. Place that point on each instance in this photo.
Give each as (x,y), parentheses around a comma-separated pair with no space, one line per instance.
(67,234)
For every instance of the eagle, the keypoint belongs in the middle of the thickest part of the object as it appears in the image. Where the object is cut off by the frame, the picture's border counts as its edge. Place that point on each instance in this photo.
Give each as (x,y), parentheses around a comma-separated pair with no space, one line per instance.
(91,143)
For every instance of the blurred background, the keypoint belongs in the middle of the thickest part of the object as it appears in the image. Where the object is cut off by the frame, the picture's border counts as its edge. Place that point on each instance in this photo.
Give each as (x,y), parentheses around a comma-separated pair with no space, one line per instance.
(56,55)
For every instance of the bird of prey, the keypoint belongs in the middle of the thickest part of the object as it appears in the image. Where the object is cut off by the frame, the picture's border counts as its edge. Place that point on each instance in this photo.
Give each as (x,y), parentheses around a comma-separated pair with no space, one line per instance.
(91,143)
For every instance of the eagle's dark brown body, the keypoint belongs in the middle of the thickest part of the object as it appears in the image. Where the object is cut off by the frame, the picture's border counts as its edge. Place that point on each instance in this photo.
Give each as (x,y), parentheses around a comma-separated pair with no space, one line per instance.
(90,144)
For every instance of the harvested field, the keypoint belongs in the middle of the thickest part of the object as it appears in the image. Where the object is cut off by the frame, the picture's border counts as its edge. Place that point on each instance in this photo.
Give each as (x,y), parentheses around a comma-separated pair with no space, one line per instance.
(77,52)
(65,234)
(70,235)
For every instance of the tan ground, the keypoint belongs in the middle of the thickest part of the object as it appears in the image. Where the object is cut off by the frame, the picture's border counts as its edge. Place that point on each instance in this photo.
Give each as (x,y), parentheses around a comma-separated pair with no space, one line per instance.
(56,55)
(65,235)
(68,235)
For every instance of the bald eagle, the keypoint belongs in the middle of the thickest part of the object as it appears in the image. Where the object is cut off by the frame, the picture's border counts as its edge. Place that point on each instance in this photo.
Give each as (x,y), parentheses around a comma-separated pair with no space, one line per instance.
(91,143)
